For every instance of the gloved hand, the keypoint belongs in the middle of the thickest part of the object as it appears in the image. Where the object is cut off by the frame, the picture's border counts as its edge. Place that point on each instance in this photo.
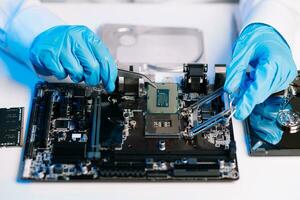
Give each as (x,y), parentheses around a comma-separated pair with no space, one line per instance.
(264,49)
(75,51)
(263,119)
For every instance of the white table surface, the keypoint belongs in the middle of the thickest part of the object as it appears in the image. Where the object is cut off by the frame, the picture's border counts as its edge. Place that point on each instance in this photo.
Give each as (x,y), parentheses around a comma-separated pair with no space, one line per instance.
(260,178)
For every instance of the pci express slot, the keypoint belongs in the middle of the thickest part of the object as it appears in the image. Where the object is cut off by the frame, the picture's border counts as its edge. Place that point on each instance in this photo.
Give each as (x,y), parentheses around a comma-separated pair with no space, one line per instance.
(94,139)
(209,169)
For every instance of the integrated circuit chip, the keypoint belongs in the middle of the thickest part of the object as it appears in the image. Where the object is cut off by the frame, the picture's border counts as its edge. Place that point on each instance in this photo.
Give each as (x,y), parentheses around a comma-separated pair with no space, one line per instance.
(163,99)
(11,126)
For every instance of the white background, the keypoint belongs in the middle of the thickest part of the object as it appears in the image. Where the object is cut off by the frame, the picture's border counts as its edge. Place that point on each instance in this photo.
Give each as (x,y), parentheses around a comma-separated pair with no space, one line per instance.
(260,178)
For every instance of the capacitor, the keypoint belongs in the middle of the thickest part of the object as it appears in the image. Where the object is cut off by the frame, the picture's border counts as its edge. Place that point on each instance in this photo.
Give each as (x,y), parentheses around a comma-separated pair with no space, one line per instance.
(84,169)
(132,123)
(162,145)
(126,116)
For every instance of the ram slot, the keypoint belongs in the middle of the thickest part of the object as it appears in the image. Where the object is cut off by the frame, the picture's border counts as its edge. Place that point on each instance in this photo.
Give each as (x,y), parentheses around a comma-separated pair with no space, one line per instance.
(94,139)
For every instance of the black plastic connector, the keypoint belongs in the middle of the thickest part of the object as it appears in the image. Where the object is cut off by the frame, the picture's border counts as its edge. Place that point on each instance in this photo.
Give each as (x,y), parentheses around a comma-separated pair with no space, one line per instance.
(195,78)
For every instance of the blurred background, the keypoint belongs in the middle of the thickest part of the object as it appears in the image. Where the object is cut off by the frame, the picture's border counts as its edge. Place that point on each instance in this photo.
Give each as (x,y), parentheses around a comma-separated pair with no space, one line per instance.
(141,1)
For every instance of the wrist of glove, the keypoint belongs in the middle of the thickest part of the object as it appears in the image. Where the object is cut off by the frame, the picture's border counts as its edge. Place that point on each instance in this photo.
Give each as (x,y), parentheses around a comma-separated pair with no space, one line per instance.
(272,67)
(73,51)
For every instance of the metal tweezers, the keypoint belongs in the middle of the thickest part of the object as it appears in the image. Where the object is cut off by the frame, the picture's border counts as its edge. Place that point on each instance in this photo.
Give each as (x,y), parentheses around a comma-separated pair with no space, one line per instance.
(214,119)
(131,74)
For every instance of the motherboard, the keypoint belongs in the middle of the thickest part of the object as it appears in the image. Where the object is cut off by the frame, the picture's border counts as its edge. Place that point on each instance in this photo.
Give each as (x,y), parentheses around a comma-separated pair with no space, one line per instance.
(180,131)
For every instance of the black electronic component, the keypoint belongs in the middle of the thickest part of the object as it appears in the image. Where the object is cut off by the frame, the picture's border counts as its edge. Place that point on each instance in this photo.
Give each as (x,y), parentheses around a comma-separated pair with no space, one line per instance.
(11,126)
(138,132)
(62,124)
(128,86)
(220,75)
(41,120)
(79,93)
(195,79)
(68,152)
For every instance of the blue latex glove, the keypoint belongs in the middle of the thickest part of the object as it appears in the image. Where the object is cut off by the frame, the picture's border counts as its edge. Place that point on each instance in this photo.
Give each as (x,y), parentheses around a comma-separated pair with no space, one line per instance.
(264,49)
(75,51)
(263,119)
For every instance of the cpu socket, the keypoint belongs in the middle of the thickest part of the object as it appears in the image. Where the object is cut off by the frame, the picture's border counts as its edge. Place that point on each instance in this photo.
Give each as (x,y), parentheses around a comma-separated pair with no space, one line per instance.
(162,106)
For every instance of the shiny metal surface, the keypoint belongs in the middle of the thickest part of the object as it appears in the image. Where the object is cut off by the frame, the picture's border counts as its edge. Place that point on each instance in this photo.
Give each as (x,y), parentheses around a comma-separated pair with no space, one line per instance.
(288,120)
(125,73)
(162,49)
